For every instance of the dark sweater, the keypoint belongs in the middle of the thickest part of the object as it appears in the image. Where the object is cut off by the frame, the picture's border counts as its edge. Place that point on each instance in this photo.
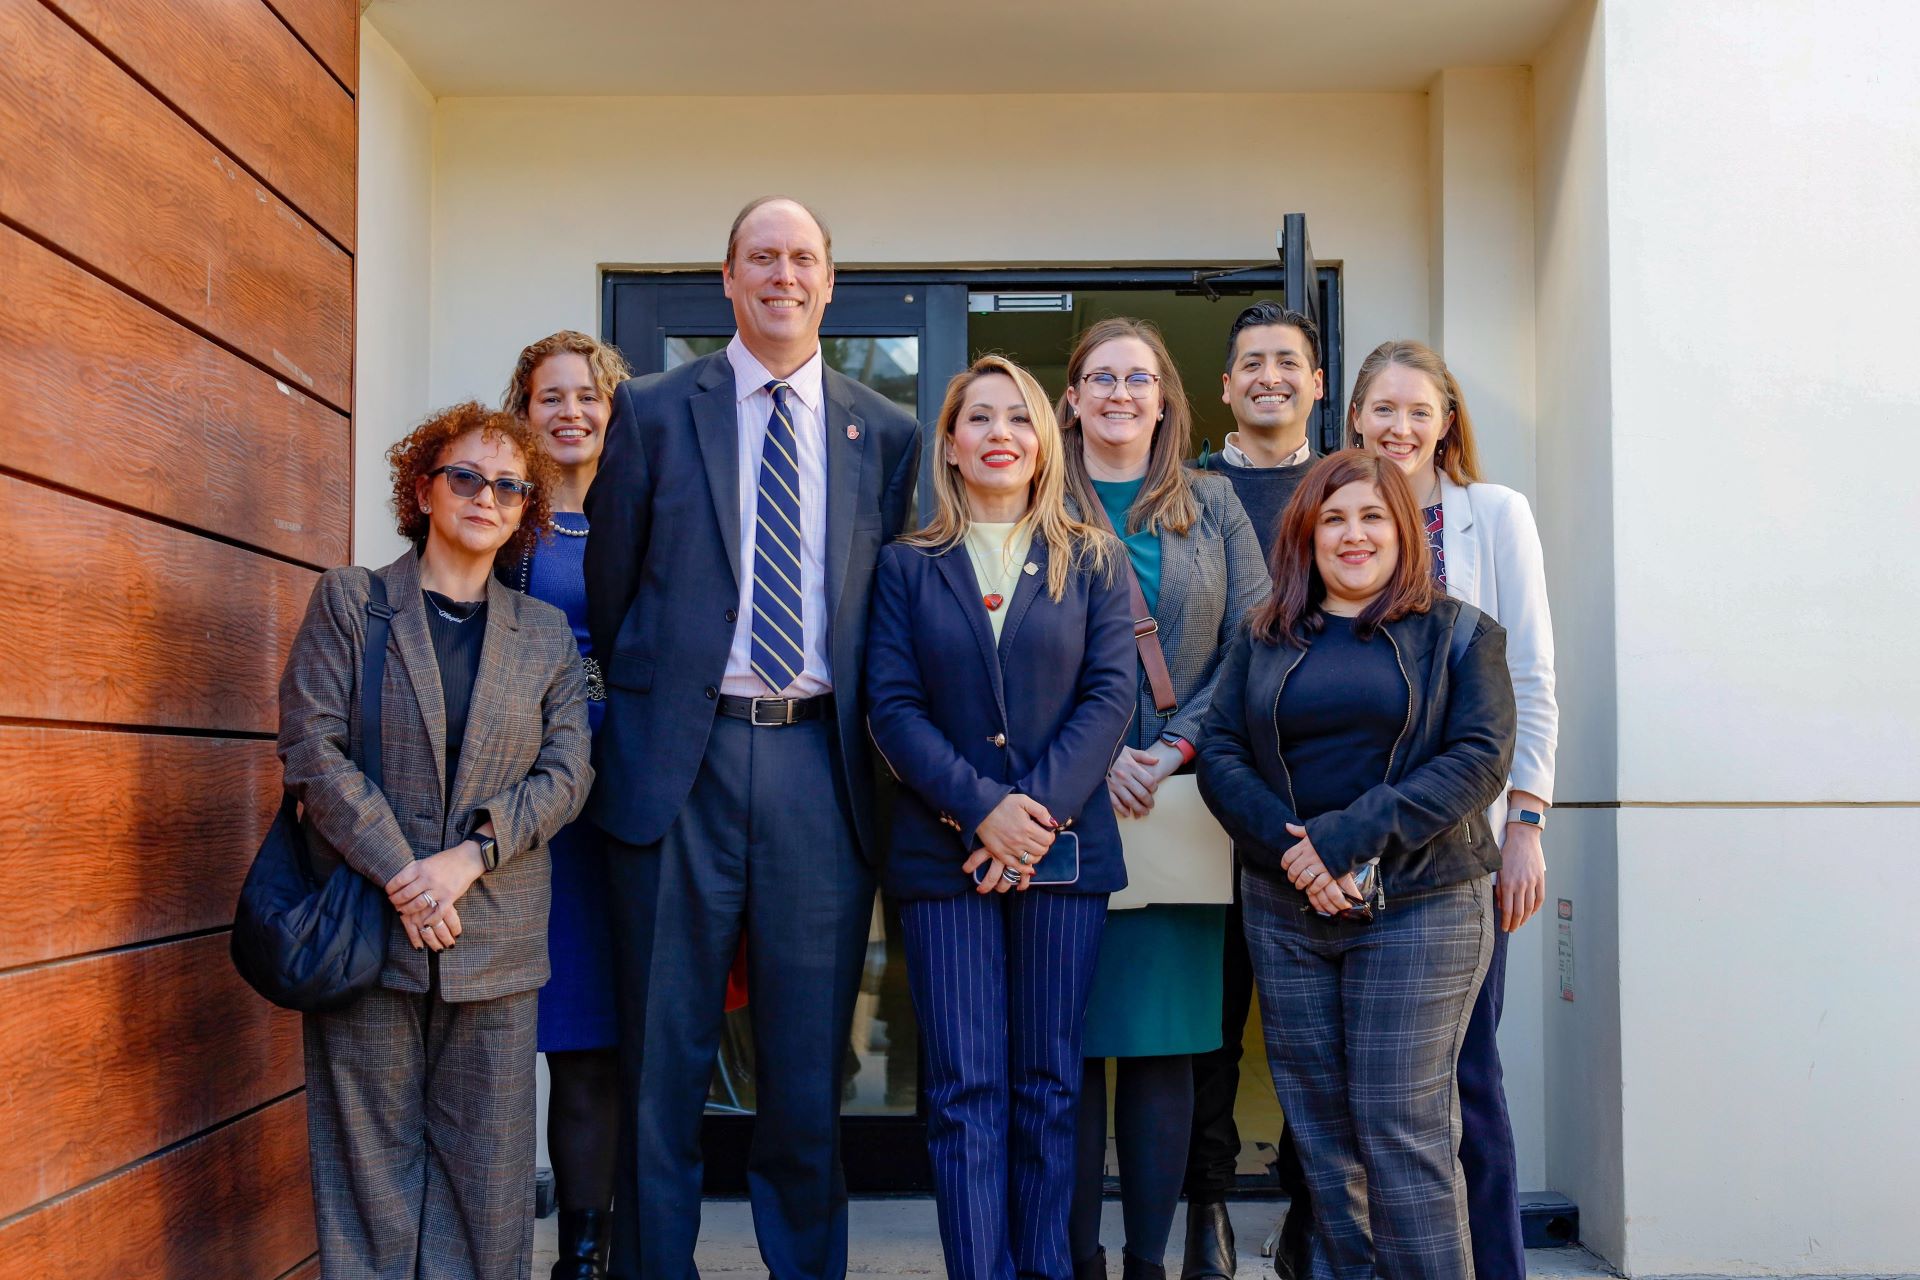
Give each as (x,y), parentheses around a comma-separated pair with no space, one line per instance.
(1340,714)
(1263,491)
(456,650)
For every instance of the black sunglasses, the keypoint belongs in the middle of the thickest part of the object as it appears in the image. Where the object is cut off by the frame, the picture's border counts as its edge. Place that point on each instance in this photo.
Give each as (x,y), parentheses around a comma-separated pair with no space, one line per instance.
(508,491)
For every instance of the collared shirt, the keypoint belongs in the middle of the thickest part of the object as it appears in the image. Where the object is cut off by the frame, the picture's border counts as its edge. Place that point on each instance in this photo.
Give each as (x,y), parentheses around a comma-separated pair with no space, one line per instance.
(1235,458)
(754,406)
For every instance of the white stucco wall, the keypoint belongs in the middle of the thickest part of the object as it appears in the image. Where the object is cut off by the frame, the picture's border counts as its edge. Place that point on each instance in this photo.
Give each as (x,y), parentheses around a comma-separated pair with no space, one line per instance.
(1761,182)
(394,286)
(1574,506)
(534,195)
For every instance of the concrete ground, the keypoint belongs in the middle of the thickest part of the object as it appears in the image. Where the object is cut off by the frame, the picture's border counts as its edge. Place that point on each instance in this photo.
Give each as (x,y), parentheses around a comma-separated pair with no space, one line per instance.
(899,1239)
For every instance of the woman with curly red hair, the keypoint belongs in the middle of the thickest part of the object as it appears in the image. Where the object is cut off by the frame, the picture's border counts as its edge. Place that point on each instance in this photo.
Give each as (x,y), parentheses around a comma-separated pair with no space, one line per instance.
(420,1094)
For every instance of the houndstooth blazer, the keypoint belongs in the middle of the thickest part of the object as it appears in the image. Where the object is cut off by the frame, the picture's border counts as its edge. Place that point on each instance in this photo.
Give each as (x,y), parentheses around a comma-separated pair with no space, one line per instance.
(523,763)
(1211,577)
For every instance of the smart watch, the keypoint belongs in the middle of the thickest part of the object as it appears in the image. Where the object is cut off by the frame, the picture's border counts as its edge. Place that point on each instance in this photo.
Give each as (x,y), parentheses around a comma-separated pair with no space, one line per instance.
(1532,817)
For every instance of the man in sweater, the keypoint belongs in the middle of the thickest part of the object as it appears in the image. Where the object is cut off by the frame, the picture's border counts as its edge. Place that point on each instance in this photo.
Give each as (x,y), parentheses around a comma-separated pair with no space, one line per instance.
(1272,381)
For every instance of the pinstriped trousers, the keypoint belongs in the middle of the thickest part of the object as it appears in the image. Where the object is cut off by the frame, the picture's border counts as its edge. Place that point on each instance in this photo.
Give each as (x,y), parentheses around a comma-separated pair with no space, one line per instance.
(420,1126)
(1000,985)
(1363,1027)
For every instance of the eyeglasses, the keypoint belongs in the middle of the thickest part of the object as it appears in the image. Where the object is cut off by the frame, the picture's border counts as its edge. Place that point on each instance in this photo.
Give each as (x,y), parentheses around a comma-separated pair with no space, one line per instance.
(508,491)
(1138,384)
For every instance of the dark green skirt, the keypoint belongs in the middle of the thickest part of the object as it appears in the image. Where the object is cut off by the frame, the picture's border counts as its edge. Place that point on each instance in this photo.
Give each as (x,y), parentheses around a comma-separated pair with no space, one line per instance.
(1157,987)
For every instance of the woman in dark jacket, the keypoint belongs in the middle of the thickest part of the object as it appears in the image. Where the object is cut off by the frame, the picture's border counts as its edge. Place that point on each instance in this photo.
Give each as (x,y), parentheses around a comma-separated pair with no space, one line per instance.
(1353,719)
(1000,682)
(420,1094)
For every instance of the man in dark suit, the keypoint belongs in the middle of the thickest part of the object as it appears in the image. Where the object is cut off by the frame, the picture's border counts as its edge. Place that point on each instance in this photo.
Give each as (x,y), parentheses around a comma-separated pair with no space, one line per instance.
(737,516)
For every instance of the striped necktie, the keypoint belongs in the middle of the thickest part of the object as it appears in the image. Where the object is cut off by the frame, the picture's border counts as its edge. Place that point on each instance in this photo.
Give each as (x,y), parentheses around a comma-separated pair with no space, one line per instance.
(779,631)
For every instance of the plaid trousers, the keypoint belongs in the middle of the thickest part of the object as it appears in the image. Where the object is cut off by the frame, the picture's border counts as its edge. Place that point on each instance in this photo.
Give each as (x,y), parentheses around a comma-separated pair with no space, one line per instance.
(1363,1027)
(420,1124)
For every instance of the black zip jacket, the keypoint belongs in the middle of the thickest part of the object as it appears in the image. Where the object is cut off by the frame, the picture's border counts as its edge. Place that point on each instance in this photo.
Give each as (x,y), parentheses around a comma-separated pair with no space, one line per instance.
(1426,820)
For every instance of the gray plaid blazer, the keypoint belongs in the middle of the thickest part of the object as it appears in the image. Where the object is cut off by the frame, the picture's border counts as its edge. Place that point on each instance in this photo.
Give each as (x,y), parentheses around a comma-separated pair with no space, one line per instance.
(523,763)
(1211,577)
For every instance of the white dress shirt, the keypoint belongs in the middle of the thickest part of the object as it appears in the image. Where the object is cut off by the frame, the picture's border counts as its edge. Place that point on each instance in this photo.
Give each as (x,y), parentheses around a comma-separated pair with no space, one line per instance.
(1236,457)
(754,405)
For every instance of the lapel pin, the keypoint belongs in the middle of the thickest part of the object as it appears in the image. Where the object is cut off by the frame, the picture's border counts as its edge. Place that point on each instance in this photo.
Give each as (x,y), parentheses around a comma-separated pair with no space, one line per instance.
(853,432)
(1032,568)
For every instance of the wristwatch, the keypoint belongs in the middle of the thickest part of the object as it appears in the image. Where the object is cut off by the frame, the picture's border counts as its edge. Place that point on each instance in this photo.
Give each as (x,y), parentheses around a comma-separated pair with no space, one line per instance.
(1532,817)
(489,850)
(1181,745)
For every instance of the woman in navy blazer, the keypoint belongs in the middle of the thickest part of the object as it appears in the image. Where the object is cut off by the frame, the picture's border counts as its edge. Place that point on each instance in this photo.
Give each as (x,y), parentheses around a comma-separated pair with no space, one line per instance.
(1000,682)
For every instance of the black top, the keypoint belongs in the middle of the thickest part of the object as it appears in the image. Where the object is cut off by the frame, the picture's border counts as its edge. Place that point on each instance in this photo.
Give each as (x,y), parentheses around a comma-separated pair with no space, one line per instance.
(1341,712)
(1263,491)
(456,648)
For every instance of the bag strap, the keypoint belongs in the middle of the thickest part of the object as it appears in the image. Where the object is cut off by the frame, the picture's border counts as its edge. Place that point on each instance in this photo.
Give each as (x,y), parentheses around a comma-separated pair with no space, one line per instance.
(373,674)
(1463,624)
(1146,630)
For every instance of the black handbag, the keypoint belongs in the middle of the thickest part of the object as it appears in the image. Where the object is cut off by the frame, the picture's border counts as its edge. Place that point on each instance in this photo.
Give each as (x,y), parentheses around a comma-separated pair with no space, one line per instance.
(303,943)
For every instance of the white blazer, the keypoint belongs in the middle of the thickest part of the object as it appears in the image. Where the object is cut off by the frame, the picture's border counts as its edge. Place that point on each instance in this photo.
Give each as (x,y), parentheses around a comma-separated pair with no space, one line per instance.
(1494,562)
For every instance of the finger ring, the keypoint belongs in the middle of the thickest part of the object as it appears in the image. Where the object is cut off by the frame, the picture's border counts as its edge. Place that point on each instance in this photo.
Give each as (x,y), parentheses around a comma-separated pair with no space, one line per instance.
(1007,873)
(1025,858)
(431,904)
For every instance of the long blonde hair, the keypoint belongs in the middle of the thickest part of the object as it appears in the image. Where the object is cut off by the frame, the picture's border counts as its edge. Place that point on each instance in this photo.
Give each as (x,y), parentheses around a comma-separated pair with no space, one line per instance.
(1456,454)
(1070,543)
(1165,496)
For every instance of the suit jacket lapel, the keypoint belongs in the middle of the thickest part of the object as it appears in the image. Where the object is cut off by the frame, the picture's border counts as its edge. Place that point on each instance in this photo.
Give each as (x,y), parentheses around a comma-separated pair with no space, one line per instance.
(1029,586)
(847,452)
(716,424)
(1177,558)
(957,568)
(409,628)
(1461,543)
(489,685)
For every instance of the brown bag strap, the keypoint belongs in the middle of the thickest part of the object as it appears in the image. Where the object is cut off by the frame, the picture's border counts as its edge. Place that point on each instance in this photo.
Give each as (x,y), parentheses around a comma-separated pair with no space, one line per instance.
(1146,630)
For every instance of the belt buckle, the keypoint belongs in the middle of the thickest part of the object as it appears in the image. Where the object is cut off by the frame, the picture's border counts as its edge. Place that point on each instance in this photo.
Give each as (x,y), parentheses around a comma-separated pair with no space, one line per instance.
(786,706)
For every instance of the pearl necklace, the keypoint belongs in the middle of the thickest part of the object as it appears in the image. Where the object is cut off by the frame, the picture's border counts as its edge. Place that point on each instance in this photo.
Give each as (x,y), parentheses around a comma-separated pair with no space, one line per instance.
(565,532)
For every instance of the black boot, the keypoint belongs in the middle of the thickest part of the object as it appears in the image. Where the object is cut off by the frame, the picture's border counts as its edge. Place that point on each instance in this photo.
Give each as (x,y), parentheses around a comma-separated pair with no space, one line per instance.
(1292,1253)
(1133,1268)
(1094,1268)
(1210,1254)
(583,1245)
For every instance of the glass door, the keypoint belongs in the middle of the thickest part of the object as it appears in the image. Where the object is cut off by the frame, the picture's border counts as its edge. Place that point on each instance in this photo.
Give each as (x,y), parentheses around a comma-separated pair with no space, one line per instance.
(902,341)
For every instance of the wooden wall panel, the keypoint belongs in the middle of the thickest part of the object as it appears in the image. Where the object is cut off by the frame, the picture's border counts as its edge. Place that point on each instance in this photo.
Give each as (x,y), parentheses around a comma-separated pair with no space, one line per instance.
(234,69)
(100,167)
(331,29)
(308,1270)
(111,838)
(116,619)
(108,1058)
(233,1205)
(105,395)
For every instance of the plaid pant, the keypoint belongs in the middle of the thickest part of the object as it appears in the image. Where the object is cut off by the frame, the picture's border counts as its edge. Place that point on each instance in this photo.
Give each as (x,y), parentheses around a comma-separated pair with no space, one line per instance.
(420,1123)
(1363,1027)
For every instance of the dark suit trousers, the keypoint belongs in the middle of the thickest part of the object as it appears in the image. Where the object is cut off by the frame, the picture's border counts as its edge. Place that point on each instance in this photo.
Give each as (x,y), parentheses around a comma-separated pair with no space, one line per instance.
(420,1123)
(1000,985)
(1486,1135)
(763,844)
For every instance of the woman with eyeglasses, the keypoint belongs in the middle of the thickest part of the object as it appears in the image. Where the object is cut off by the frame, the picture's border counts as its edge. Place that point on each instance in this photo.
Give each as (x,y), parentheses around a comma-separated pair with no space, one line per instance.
(420,1094)
(562,388)
(999,681)
(1362,724)
(1196,560)
(1407,407)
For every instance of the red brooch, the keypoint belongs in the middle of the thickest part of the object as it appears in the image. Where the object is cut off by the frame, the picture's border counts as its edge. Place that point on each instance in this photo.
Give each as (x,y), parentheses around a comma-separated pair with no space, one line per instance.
(992,602)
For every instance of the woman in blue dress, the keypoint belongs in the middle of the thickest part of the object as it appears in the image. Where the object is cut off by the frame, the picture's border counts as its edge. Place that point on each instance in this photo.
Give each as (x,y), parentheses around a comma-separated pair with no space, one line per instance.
(563,387)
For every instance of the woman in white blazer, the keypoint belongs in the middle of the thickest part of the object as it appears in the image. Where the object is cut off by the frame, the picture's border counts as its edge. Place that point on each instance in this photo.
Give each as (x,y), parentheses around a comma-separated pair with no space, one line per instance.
(1407,406)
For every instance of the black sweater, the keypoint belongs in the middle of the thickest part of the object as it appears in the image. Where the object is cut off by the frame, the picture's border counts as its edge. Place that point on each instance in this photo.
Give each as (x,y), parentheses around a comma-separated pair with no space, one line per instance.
(1426,821)
(1263,491)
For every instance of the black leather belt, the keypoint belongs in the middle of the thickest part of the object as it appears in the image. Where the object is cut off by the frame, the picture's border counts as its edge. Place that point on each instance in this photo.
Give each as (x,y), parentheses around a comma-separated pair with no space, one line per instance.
(774,713)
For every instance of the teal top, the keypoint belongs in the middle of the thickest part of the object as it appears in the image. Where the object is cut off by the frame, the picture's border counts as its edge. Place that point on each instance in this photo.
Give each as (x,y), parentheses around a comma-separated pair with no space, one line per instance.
(1156,989)
(1143,548)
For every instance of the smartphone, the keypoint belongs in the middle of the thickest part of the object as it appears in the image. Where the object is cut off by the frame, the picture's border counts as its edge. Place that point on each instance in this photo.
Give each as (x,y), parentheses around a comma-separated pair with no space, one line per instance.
(1060,866)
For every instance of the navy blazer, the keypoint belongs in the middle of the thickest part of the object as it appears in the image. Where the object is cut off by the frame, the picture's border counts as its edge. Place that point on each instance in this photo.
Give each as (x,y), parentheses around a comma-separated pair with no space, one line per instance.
(662,570)
(963,723)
